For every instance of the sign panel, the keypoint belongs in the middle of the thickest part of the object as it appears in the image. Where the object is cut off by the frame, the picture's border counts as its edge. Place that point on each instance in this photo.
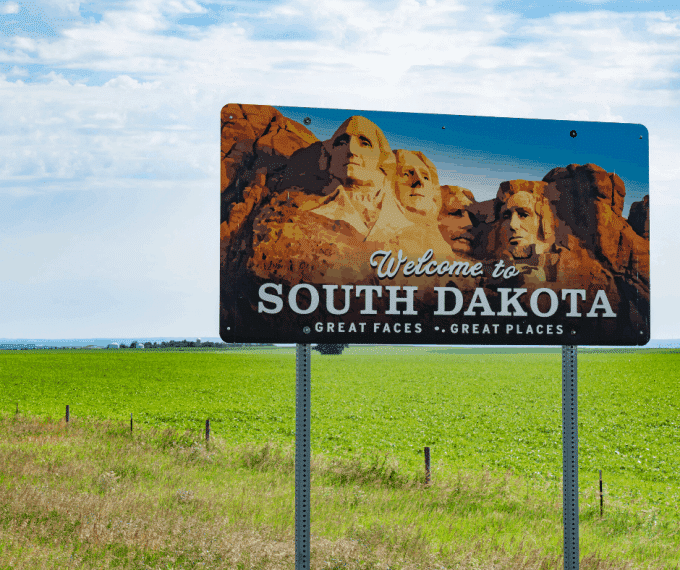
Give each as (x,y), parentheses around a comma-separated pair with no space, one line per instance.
(342,226)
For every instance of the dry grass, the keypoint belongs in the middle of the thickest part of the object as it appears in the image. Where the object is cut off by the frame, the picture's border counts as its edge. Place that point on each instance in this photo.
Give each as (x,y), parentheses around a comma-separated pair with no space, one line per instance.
(91,495)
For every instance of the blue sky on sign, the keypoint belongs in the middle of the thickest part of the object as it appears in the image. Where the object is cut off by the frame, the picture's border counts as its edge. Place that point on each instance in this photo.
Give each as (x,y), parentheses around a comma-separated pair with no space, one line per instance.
(481,152)
(110,112)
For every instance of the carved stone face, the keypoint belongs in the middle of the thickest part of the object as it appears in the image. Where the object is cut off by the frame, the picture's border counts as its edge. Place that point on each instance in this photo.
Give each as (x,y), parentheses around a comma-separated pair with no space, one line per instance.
(519,226)
(355,154)
(415,187)
(456,226)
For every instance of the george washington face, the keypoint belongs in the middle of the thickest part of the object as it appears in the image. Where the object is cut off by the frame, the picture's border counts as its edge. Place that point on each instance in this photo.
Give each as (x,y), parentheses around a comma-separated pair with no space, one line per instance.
(355,154)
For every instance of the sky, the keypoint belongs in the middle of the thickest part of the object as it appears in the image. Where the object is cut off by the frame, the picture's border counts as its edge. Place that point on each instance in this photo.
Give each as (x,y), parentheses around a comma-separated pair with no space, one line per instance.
(479,153)
(110,115)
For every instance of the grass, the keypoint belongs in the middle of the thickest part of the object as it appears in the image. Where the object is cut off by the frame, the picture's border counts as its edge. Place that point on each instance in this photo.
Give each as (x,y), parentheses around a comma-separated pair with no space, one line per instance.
(493,422)
(92,495)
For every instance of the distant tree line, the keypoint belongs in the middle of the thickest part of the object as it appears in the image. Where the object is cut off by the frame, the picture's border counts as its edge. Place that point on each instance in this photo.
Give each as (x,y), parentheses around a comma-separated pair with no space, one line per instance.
(330,348)
(191,344)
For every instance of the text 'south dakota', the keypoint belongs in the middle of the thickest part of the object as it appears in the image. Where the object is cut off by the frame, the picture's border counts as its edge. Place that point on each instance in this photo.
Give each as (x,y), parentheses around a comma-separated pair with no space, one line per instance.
(542,303)
(450,301)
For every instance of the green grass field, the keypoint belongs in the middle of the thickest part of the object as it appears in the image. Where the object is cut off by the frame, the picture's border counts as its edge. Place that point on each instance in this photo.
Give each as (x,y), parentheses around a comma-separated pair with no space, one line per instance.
(478,412)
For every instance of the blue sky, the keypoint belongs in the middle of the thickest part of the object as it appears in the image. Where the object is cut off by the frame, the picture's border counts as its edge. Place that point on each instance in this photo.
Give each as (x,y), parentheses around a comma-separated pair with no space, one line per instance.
(109,122)
(481,152)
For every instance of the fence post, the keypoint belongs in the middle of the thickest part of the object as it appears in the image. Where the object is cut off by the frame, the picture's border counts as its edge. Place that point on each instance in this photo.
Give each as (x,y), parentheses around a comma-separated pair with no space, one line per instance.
(130,422)
(68,415)
(207,430)
(601,496)
(427,465)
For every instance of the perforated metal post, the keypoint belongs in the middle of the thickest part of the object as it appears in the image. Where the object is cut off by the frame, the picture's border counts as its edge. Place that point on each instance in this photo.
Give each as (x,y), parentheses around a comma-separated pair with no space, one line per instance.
(302,454)
(570,457)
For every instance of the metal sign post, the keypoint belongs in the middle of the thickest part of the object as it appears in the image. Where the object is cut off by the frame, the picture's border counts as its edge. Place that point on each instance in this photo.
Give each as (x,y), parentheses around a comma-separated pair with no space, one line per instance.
(570,457)
(302,453)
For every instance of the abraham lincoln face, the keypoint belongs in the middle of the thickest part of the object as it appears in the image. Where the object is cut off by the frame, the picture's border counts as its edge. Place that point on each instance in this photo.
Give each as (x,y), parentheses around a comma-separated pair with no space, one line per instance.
(520,226)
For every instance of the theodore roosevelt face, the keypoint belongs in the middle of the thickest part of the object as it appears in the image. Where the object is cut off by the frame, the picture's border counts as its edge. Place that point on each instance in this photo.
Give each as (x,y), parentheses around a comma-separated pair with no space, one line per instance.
(456,225)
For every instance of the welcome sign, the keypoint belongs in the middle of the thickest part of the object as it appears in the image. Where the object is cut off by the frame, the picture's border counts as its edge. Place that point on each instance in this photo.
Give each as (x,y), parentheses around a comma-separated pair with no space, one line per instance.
(344,226)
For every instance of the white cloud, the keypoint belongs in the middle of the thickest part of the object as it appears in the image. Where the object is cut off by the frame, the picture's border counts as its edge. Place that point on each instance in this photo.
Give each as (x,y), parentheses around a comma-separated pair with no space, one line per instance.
(183,7)
(608,116)
(17,71)
(56,80)
(113,258)
(580,115)
(439,56)
(71,6)
(145,123)
(663,154)
(127,82)
(664,26)
(9,8)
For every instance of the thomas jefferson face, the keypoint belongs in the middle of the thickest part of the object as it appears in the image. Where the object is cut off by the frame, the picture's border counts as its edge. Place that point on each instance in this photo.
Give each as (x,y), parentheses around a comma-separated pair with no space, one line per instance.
(520,224)
(355,154)
(415,187)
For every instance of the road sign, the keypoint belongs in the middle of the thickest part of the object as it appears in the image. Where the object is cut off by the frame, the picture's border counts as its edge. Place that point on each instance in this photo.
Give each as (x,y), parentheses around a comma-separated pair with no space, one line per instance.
(345,226)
